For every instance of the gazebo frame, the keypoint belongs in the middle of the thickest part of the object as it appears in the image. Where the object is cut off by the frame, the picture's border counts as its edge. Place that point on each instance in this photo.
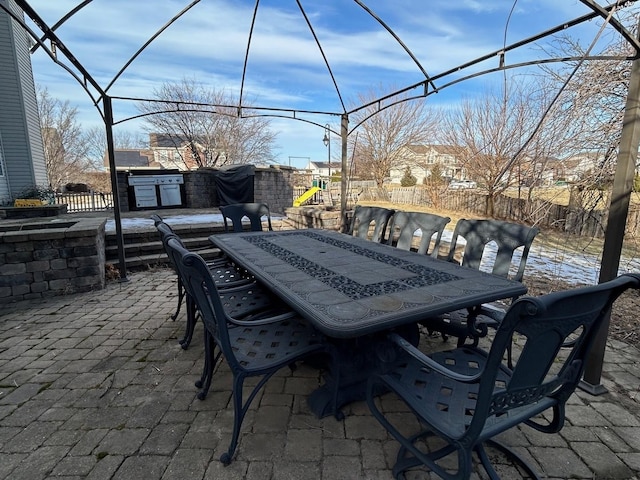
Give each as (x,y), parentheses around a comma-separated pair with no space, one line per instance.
(54,46)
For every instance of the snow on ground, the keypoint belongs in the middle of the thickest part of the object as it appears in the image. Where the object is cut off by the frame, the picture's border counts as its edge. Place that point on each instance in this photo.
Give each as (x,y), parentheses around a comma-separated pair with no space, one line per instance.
(574,268)
(133,223)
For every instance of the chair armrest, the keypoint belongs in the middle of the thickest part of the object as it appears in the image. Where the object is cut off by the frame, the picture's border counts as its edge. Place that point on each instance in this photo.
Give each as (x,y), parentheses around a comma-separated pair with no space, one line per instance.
(491,311)
(431,364)
(263,321)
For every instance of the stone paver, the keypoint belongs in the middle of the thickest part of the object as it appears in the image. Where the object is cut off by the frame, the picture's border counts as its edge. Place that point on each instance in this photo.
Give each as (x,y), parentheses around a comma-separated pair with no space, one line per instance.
(95,386)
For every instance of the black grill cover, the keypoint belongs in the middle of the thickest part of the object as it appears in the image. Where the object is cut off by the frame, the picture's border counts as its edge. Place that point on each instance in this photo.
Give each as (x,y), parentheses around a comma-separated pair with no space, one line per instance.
(235,184)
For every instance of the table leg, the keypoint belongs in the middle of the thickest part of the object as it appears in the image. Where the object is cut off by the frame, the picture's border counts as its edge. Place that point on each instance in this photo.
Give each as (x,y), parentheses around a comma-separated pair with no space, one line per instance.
(358,359)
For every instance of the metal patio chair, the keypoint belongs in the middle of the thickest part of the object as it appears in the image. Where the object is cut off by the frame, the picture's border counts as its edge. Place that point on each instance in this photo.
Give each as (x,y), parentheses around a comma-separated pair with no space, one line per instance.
(256,348)
(224,273)
(364,217)
(506,238)
(467,396)
(405,225)
(254,212)
(242,303)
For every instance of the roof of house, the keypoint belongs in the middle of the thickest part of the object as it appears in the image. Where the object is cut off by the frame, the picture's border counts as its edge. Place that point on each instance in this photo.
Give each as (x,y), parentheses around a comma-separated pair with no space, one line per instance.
(320,165)
(129,158)
(163,140)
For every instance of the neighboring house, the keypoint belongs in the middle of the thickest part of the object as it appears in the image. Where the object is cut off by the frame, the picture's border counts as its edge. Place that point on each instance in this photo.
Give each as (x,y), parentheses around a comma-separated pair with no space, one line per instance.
(173,151)
(421,159)
(323,169)
(164,152)
(131,158)
(577,167)
(22,162)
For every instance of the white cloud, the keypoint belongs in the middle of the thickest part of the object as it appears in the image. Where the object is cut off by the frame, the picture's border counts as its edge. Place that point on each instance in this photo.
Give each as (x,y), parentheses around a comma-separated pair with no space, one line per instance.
(285,68)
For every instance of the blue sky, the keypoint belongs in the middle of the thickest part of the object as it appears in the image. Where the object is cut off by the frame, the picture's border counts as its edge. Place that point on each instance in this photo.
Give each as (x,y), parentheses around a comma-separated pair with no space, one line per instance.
(285,68)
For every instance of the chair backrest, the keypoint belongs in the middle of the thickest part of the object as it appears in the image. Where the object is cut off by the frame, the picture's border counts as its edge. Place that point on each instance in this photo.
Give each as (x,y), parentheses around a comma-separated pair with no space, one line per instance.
(199,285)
(164,229)
(165,234)
(254,212)
(558,330)
(362,219)
(405,225)
(507,236)
(156,219)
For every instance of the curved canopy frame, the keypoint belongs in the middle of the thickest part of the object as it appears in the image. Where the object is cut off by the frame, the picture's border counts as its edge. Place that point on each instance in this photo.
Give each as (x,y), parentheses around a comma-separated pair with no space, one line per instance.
(45,37)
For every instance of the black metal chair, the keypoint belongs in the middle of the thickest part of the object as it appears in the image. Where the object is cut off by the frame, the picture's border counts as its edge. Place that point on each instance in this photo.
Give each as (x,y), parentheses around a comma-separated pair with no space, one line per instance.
(467,396)
(364,217)
(506,238)
(247,302)
(224,274)
(254,212)
(405,225)
(256,348)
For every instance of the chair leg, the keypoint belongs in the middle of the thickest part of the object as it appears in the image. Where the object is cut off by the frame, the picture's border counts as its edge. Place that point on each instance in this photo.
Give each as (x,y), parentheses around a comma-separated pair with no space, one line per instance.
(509,453)
(181,293)
(238,416)
(240,410)
(191,323)
(207,360)
(210,362)
(410,456)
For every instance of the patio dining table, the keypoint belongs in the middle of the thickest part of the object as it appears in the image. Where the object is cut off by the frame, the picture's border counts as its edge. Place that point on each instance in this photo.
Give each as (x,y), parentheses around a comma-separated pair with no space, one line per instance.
(355,291)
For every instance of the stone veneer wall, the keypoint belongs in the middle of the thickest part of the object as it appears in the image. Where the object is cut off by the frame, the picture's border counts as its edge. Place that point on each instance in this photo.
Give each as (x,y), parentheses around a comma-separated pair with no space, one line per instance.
(273,186)
(47,262)
(313,217)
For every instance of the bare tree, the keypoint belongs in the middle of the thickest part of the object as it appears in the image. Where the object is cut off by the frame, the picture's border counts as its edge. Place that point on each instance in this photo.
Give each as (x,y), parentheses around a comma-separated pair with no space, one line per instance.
(490,132)
(594,98)
(386,130)
(65,148)
(96,140)
(207,122)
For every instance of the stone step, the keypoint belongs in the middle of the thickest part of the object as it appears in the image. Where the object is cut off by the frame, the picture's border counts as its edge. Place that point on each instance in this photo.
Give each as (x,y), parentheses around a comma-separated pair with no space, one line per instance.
(143,247)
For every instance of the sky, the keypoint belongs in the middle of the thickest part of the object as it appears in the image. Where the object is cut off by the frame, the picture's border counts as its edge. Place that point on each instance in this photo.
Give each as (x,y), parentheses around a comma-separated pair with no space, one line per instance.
(285,69)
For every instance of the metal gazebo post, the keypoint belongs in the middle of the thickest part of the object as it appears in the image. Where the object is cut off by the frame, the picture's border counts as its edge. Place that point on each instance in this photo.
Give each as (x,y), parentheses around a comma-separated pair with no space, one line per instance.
(327,143)
(617,221)
(344,132)
(108,123)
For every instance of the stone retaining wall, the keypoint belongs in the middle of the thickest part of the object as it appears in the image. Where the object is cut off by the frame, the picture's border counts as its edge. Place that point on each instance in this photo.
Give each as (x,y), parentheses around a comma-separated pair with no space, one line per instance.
(45,259)
(313,217)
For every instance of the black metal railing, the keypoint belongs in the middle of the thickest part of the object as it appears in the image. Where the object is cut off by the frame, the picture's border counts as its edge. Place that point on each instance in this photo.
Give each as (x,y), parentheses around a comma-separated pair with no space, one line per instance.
(85,202)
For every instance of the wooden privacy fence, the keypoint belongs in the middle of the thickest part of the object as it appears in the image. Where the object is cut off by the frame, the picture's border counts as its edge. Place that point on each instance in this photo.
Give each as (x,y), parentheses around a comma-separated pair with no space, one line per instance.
(85,202)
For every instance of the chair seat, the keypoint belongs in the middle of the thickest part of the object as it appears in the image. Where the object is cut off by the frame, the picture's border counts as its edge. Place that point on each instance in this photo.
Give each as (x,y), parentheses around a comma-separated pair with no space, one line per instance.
(247,302)
(448,405)
(227,275)
(268,346)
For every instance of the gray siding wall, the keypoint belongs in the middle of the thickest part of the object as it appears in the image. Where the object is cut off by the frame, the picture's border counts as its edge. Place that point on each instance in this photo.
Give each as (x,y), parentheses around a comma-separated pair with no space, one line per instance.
(5,194)
(19,123)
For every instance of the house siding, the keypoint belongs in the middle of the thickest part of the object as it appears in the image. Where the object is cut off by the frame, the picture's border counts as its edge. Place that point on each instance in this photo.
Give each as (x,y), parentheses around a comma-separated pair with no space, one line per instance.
(19,124)
(5,194)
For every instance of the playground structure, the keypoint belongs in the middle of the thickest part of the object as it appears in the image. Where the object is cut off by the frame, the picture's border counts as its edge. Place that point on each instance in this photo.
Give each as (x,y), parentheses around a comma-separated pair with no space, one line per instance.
(328,194)
(306,196)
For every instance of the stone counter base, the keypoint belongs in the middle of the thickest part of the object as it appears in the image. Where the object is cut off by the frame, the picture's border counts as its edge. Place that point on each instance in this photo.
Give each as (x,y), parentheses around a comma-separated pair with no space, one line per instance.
(47,258)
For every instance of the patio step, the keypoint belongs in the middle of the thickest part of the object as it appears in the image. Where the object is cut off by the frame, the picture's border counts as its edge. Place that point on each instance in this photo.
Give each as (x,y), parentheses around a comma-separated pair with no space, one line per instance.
(143,247)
